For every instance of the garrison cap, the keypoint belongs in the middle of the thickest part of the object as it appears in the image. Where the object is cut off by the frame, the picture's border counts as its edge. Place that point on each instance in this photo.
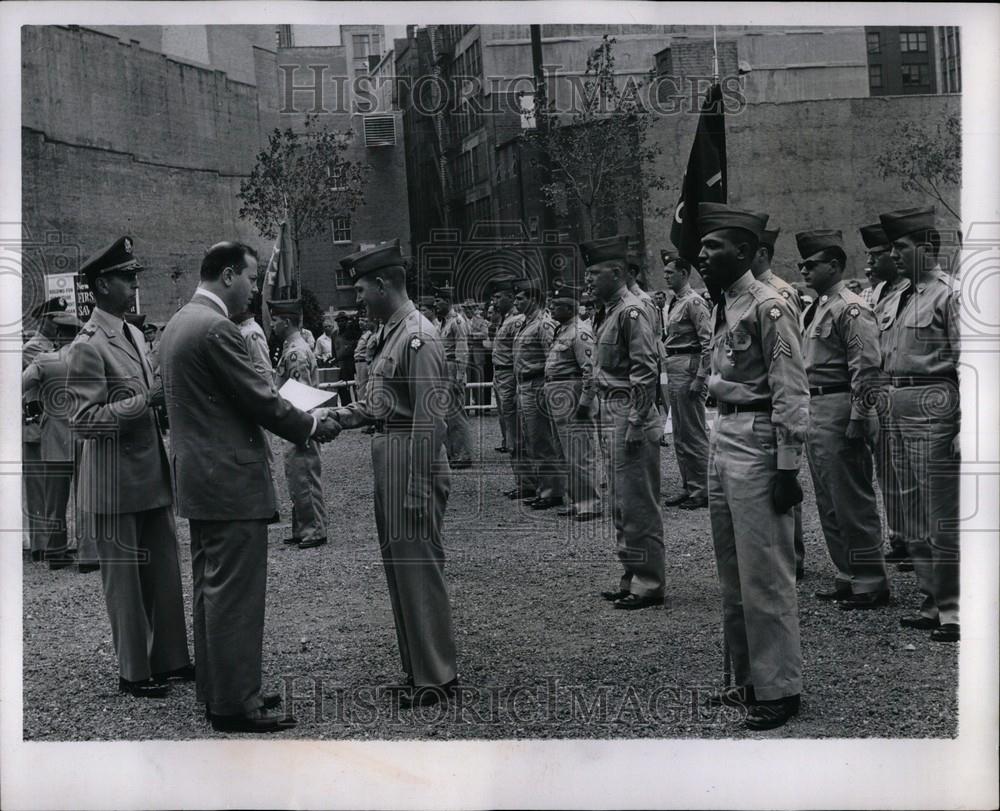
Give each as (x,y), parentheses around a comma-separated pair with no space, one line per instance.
(714,216)
(907,221)
(605,250)
(769,237)
(874,236)
(115,258)
(565,291)
(425,301)
(54,305)
(383,255)
(285,307)
(67,321)
(811,243)
(136,319)
(503,285)
(527,286)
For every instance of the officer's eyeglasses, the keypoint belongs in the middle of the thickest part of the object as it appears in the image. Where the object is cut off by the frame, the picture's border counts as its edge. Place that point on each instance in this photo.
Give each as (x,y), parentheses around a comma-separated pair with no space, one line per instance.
(811,264)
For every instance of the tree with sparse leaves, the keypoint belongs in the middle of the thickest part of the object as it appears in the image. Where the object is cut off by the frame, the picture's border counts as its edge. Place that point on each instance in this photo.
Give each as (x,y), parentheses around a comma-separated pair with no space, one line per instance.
(305,178)
(926,158)
(599,155)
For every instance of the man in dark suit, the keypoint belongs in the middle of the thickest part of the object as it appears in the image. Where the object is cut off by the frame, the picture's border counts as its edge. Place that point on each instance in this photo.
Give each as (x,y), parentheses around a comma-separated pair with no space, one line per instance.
(125,481)
(217,403)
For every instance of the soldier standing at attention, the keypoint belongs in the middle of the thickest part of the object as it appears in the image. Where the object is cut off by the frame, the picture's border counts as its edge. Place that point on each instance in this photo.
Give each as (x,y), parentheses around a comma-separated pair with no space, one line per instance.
(569,384)
(409,379)
(303,468)
(361,357)
(505,385)
(840,349)
(759,381)
(761,269)
(688,353)
(538,444)
(626,380)
(454,331)
(921,361)
(889,284)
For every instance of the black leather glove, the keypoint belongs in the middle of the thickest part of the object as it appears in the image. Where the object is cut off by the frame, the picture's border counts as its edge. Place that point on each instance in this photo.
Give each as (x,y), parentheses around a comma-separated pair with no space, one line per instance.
(786,491)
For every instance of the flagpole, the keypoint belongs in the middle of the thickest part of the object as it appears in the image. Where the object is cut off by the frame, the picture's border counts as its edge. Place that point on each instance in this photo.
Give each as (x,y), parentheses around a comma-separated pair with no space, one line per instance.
(715,57)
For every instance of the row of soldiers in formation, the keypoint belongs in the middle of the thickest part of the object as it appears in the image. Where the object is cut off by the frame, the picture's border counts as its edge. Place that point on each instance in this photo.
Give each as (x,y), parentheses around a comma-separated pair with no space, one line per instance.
(827,379)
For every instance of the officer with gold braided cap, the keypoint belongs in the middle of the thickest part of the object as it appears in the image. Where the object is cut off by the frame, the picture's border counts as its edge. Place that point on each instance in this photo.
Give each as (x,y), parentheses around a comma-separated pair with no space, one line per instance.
(758,380)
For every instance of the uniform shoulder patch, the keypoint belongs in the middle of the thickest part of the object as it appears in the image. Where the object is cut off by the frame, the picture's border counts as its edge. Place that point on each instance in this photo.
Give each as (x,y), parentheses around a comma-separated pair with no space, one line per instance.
(854,311)
(785,293)
(633,313)
(774,313)
(416,342)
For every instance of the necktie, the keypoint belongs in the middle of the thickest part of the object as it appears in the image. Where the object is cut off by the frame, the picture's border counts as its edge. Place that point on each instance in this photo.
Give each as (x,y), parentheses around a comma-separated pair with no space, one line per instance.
(720,311)
(810,313)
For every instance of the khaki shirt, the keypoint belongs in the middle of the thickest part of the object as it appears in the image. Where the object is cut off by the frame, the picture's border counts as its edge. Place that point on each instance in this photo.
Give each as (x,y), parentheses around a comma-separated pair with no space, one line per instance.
(757,355)
(627,356)
(886,298)
(531,346)
(297,362)
(455,338)
(840,346)
(503,341)
(572,356)
(924,339)
(689,326)
(256,342)
(361,350)
(788,293)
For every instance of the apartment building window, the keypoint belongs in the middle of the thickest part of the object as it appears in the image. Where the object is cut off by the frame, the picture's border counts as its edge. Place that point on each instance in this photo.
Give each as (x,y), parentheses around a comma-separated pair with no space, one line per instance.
(874,76)
(915,75)
(364,46)
(913,41)
(341,230)
(874,42)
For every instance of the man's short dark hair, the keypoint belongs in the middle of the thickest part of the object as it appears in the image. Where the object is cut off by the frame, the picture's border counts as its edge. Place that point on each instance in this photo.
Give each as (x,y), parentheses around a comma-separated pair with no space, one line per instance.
(225,255)
(835,253)
(680,263)
(393,275)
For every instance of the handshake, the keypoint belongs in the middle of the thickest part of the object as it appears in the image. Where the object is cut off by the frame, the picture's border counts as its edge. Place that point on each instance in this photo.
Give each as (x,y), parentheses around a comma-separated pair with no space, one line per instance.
(327,426)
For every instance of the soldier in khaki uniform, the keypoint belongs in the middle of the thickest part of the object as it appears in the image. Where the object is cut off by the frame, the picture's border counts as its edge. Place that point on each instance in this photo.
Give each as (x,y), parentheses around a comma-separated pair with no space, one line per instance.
(626,379)
(538,445)
(761,269)
(687,351)
(840,348)
(569,384)
(888,287)
(303,468)
(454,331)
(921,362)
(361,356)
(758,380)
(409,378)
(505,386)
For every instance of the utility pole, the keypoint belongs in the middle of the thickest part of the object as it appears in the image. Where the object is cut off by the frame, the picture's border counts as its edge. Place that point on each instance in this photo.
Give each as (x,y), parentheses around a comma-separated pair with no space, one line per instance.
(545,167)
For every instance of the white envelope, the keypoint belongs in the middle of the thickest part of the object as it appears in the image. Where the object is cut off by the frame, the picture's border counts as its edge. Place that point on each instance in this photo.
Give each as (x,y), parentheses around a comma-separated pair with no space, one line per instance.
(305,397)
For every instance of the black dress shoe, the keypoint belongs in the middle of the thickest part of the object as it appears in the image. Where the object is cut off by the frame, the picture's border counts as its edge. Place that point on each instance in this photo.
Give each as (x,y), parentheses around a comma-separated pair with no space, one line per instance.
(694,504)
(838,593)
(772,714)
(461,464)
(905,566)
(586,516)
(949,632)
(920,622)
(293,541)
(274,519)
(312,543)
(611,596)
(897,555)
(427,696)
(143,689)
(271,701)
(673,501)
(36,555)
(84,568)
(185,673)
(546,503)
(259,720)
(62,560)
(634,601)
(867,601)
(567,511)
(515,494)
(736,696)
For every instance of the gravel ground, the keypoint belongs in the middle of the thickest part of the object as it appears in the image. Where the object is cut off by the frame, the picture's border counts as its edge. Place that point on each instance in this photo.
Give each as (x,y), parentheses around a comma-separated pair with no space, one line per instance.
(540,654)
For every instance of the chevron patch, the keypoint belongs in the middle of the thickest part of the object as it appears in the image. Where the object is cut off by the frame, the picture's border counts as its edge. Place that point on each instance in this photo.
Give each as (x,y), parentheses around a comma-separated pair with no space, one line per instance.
(856,341)
(781,347)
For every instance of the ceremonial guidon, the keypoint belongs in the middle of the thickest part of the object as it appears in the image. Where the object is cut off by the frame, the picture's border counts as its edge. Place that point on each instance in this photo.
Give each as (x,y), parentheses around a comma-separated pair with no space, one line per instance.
(125,480)
(759,382)
(626,379)
(840,349)
(408,386)
(569,384)
(921,364)
(303,468)
(454,331)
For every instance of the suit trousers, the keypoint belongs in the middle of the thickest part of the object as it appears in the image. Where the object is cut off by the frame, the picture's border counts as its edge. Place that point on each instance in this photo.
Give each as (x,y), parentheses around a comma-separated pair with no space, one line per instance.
(845,496)
(459,432)
(888,484)
(634,490)
(925,421)
(755,556)
(142,590)
(304,476)
(33,479)
(413,559)
(688,420)
(59,485)
(541,454)
(229,566)
(576,443)
(506,388)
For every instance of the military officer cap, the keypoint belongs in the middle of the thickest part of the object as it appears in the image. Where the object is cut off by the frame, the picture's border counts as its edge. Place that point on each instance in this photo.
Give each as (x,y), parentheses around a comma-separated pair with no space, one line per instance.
(565,291)
(115,258)
(285,307)
(907,221)
(874,236)
(715,216)
(67,321)
(54,305)
(383,255)
(608,249)
(811,243)
(136,319)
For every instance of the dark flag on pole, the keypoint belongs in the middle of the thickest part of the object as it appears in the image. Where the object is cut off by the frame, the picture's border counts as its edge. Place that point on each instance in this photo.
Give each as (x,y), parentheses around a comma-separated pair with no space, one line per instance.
(705,180)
